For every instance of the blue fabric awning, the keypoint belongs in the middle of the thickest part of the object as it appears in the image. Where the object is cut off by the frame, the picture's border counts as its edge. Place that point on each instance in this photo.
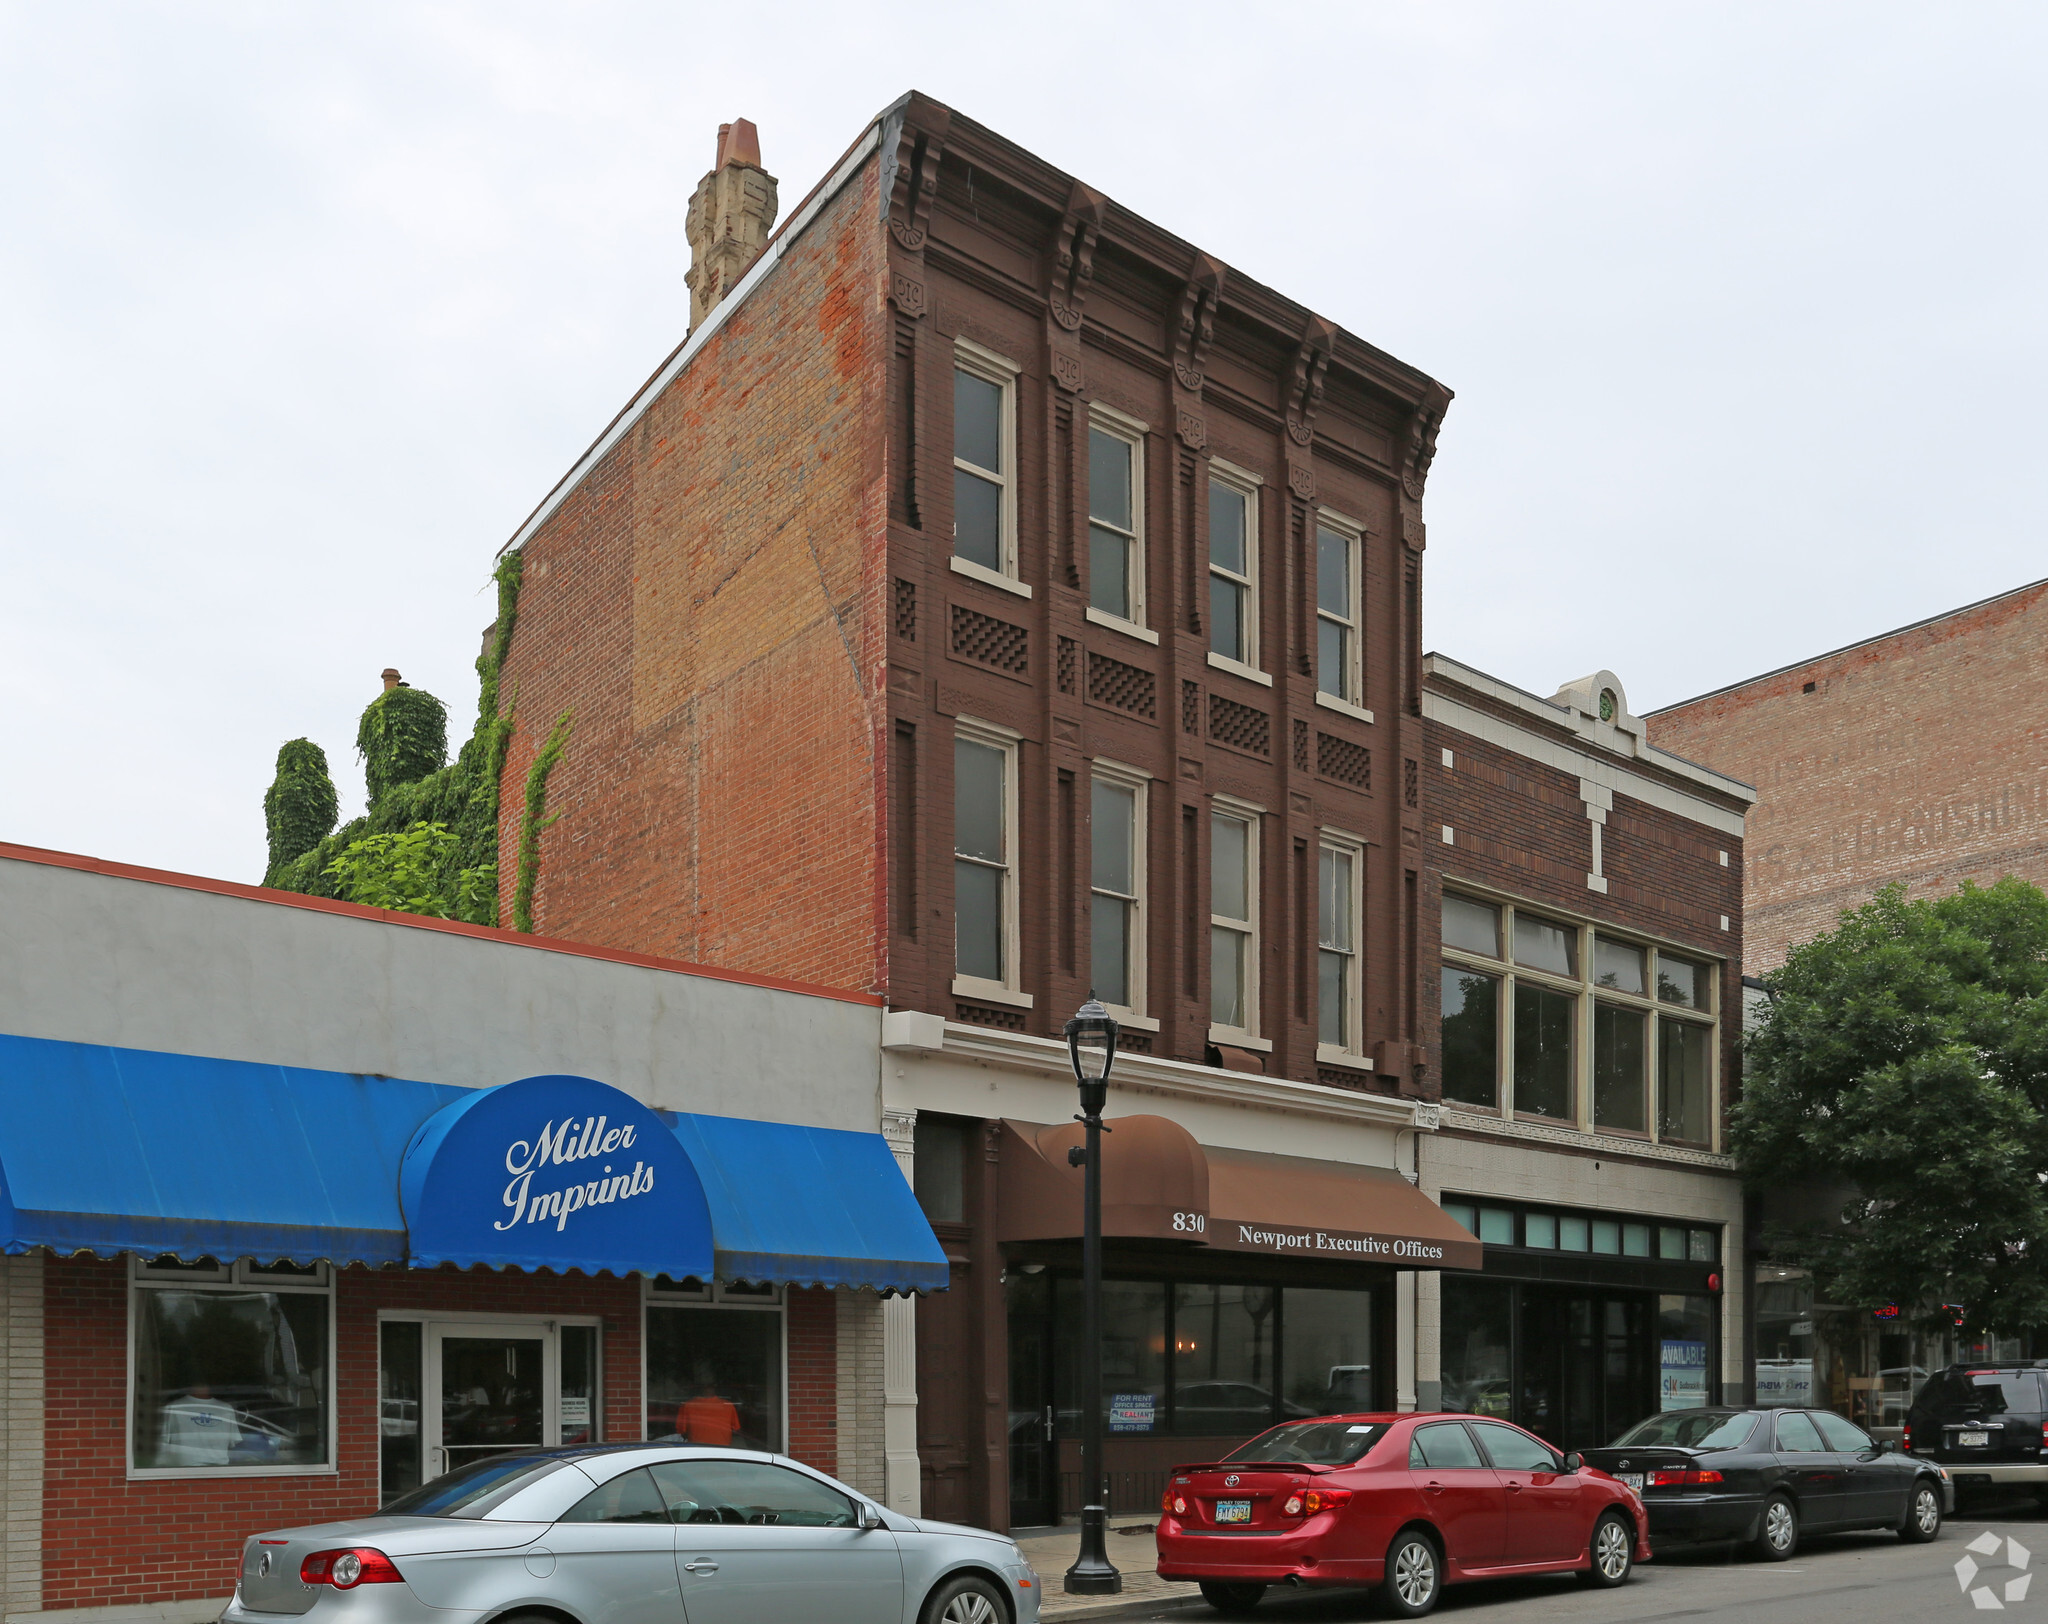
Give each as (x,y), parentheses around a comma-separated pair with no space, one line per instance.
(132,1150)
(810,1206)
(110,1150)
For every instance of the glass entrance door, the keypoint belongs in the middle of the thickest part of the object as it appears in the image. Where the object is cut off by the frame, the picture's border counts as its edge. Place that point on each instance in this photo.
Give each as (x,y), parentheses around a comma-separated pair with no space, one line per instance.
(491,1386)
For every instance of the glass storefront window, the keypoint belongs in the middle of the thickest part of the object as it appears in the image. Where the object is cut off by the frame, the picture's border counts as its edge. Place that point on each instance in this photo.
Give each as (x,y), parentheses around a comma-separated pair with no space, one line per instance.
(1223,1370)
(400,1365)
(1684,1080)
(1635,1240)
(229,1378)
(1327,1353)
(1543,1050)
(1471,1037)
(1685,1332)
(1134,1363)
(1620,1079)
(1784,1336)
(1497,1225)
(1539,1229)
(1477,1346)
(1572,1234)
(714,1376)
(1606,1235)
(1671,1242)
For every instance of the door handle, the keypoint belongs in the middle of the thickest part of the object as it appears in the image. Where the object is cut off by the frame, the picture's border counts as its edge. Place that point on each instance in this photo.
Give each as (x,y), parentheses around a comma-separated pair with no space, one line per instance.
(1433,1487)
(699,1564)
(1048,1423)
(1514,1488)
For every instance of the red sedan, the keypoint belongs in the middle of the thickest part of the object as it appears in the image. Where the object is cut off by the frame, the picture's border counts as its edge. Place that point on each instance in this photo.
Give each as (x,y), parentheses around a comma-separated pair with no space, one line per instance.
(1407,1503)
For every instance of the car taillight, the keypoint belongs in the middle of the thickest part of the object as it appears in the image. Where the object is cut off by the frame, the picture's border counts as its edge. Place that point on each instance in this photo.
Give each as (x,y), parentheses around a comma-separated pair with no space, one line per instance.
(1315,1500)
(1672,1475)
(1906,1443)
(1169,1501)
(348,1567)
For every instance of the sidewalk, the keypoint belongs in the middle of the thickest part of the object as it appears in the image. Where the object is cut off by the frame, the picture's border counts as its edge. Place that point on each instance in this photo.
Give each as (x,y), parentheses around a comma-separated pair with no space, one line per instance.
(1130,1548)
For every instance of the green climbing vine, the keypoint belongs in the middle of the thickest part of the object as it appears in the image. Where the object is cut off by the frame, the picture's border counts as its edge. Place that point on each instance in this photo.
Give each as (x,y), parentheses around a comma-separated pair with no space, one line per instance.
(428,841)
(534,820)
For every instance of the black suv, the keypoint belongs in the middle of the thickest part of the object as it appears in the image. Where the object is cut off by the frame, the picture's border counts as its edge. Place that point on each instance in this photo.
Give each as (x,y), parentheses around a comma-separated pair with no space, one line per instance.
(1987,1423)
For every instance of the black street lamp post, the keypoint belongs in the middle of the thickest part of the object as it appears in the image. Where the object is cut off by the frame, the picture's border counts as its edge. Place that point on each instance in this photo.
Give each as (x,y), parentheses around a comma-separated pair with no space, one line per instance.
(1091,1043)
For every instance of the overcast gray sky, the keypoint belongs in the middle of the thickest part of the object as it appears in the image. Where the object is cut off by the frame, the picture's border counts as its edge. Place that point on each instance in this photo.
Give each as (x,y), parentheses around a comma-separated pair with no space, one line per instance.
(303,307)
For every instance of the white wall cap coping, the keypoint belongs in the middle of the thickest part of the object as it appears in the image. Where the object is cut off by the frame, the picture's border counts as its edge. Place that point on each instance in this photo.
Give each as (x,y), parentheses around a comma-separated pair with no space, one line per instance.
(1623,738)
(912,1030)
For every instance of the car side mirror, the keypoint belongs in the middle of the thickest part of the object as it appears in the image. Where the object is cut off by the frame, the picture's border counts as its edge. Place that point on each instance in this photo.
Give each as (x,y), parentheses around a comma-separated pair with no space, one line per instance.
(868,1518)
(1889,1447)
(1574,1461)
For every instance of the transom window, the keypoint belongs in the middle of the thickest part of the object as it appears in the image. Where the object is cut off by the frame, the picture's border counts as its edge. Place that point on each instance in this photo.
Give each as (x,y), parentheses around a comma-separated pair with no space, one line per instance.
(1233,566)
(1550,1019)
(1116,563)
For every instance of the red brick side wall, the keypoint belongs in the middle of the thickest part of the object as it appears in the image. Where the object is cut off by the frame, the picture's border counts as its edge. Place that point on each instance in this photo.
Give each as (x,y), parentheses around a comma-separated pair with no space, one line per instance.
(110,1541)
(706,604)
(1519,826)
(1921,757)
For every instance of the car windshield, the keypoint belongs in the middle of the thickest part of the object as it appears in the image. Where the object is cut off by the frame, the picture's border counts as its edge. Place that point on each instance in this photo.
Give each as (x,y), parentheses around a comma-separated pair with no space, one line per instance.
(1312,1443)
(1690,1429)
(472,1490)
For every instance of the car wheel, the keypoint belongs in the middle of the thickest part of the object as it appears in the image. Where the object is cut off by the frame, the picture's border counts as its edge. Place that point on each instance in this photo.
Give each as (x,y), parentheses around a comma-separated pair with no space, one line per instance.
(1923,1513)
(1234,1600)
(1612,1551)
(1777,1530)
(1415,1575)
(968,1599)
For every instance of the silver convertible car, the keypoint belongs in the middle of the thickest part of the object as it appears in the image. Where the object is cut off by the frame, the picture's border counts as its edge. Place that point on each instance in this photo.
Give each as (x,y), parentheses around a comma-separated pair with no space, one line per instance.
(634,1534)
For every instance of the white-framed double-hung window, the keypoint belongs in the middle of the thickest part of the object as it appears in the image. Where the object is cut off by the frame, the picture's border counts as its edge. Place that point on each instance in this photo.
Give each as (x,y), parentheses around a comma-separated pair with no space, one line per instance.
(1233,921)
(985,466)
(1234,569)
(1116,887)
(1340,899)
(1340,673)
(230,1368)
(1116,518)
(985,939)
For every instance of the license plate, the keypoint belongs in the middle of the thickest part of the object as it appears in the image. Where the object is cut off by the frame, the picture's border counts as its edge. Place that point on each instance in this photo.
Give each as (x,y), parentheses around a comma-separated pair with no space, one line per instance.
(1233,1511)
(1972,1440)
(1630,1480)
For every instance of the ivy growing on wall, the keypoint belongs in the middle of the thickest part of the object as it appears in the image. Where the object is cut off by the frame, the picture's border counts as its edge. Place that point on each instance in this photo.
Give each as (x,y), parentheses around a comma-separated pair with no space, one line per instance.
(428,840)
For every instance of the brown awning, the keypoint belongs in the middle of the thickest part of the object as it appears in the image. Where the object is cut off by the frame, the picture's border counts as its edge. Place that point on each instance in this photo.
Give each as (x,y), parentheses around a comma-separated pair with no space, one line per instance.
(1159,1184)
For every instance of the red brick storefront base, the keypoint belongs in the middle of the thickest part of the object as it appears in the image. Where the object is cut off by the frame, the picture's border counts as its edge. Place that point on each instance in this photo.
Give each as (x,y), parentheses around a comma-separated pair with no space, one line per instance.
(113,1540)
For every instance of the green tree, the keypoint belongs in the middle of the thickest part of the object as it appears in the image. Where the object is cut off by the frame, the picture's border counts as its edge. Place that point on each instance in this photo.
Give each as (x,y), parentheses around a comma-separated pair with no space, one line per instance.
(1904,1056)
(402,737)
(406,870)
(300,806)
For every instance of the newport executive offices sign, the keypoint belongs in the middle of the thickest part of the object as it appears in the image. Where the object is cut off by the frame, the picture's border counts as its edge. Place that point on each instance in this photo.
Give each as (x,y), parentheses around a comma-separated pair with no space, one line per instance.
(553,1173)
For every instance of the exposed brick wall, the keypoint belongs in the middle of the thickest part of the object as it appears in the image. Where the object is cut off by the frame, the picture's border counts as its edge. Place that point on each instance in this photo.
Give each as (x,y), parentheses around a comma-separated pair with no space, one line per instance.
(1519,826)
(814,1377)
(1919,757)
(705,603)
(111,1541)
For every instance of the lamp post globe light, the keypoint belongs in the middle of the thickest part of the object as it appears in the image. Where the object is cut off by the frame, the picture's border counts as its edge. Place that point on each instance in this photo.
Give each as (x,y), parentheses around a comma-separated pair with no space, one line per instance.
(1091,1045)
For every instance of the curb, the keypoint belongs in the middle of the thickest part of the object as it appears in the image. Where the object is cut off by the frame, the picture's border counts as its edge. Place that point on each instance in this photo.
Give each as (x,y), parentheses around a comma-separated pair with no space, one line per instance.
(1171,1605)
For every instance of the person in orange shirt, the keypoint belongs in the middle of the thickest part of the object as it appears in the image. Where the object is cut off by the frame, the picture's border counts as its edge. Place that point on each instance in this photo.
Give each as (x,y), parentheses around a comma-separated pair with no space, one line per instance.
(707,1418)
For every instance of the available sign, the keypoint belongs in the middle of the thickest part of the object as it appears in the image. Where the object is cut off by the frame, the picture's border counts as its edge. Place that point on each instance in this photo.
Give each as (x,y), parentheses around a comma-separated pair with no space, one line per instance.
(553,1173)
(1683,1382)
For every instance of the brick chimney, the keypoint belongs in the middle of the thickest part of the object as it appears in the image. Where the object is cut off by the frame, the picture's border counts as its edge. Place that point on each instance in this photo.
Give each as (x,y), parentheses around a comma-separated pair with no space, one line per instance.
(392,679)
(731,213)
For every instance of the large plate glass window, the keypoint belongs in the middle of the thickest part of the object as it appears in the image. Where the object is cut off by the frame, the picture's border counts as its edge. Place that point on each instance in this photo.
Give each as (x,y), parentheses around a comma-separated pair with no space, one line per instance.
(714,1364)
(232,1368)
(1471,1037)
(1233,932)
(984,458)
(1685,1081)
(1116,838)
(1116,528)
(1233,566)
(1544,1074)
(1620,1068)
(984,872)
(1337,609)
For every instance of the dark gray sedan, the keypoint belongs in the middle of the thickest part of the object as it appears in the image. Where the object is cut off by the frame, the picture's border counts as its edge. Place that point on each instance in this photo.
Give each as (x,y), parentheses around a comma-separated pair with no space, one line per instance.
(1765,1477)
(634,1534)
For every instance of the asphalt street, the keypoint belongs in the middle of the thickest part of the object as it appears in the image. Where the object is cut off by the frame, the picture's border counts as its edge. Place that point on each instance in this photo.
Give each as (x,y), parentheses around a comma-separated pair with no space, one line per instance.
(1864,1578)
